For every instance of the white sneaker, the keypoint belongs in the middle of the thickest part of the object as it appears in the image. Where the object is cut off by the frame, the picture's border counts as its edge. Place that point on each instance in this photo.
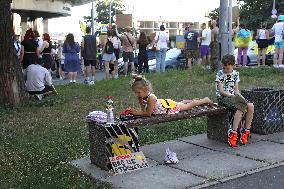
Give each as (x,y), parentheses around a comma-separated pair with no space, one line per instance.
(39,96)
(275,66)
(281,66)
(74,81)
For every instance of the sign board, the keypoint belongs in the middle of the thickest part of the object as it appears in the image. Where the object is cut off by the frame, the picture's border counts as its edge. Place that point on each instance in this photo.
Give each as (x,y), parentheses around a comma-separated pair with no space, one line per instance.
(180,42)
(128,163)
(123,20)
(104,28)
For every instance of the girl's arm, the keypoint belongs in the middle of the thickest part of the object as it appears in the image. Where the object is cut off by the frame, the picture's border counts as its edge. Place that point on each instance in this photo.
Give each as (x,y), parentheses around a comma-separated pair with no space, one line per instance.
(150,108)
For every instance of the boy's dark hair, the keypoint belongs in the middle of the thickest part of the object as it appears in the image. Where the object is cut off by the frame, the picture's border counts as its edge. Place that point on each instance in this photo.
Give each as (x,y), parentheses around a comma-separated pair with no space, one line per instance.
(88,29)
(228,59)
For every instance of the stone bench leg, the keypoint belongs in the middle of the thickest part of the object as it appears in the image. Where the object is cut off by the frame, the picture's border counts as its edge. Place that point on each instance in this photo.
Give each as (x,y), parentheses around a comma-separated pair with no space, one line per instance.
(217,127)
(109,141)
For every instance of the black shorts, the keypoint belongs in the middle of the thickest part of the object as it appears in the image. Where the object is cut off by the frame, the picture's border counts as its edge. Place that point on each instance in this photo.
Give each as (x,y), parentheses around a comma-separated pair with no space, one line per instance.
(116,52)
(45,90)
(128,56)
(90,62)
(262,43)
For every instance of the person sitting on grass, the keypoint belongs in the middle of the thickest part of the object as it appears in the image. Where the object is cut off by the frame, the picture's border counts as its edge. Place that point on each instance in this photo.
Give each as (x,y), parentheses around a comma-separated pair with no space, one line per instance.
(228,95)
(38,81)
(150,104)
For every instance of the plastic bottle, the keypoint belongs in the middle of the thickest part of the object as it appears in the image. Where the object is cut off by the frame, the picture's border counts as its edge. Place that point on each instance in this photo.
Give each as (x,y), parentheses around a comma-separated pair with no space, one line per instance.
(109,109)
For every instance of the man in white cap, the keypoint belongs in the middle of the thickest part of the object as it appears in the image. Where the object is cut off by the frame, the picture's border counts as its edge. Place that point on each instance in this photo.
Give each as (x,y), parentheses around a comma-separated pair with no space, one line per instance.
(278,31)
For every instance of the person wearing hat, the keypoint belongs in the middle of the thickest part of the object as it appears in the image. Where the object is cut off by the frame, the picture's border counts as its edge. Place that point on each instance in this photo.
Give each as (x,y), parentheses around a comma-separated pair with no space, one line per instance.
(17,44)
(278,31)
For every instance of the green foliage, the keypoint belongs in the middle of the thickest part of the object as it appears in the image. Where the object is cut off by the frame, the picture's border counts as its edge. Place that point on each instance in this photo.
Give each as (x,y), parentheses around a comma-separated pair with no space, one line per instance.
(214,14)
(39,141)
(254,12)
(102,7)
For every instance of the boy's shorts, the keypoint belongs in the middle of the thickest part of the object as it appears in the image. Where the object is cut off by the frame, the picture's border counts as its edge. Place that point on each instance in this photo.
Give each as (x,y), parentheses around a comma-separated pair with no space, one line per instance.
(235,102)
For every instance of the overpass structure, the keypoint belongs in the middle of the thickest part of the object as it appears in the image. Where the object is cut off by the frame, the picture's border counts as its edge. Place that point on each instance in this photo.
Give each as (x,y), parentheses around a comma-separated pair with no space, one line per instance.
(35,13)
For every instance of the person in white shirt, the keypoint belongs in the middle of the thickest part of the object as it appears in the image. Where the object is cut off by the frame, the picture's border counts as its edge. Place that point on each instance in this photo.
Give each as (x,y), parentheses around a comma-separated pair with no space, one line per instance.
(205,42)
(162,40)
(38,81)
(278,30)
(17,45)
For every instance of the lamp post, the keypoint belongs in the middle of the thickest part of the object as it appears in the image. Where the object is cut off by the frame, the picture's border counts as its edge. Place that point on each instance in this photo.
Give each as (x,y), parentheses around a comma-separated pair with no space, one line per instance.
(230,26)
(224,34)
(110,4)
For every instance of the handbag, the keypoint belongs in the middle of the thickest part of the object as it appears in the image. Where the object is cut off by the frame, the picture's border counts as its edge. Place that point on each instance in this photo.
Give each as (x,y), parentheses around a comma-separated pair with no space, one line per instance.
(155,46)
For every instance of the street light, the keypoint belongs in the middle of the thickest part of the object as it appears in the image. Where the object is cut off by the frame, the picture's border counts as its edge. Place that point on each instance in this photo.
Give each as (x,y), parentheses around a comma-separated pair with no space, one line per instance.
(110,4)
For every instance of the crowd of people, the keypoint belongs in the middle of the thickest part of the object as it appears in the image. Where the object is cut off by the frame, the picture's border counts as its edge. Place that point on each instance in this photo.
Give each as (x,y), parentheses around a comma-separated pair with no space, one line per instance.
(204,47)
(39,57)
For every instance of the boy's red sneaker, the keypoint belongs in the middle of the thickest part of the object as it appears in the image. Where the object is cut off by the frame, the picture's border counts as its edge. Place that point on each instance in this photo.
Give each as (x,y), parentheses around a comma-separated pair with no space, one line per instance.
(244,136)
(232,138)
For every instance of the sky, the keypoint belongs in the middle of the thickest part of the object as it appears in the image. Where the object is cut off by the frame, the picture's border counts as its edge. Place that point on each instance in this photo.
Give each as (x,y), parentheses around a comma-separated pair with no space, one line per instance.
(172,10)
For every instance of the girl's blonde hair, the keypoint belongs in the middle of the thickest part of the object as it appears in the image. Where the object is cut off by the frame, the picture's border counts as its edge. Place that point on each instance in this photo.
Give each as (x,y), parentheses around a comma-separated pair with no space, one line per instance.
(141,82)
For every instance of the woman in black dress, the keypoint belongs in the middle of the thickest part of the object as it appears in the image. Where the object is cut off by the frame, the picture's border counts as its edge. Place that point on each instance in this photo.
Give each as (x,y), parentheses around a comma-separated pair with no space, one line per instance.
(46,52)
(29,49)
(143,56)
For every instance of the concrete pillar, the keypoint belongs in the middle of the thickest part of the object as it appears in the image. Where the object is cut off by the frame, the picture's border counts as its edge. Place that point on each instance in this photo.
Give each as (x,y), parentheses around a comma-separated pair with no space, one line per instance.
(24,25)
(45,25)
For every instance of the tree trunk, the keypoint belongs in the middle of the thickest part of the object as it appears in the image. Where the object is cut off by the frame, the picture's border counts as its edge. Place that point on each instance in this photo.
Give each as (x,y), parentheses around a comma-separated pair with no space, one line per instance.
(12,88)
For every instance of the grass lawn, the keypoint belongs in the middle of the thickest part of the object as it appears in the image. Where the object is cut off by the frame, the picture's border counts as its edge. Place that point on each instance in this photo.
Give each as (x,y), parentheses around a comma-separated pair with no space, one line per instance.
(38,142)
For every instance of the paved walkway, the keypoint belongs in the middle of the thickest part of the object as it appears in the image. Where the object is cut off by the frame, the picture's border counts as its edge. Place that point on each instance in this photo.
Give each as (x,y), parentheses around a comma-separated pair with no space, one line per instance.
(203,163)
(80,78)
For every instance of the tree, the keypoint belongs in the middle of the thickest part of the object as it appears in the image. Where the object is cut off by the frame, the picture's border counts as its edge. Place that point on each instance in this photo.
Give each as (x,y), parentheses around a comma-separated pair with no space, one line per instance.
(214,14)
(102,7)
(12,88)
(254,12)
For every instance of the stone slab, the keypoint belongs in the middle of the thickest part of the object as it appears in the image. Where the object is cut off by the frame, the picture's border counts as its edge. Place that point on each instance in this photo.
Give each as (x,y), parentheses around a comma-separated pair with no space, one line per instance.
(277,137)
(266,151)
(155,177)
(202,140)
(184,150)
(217,165)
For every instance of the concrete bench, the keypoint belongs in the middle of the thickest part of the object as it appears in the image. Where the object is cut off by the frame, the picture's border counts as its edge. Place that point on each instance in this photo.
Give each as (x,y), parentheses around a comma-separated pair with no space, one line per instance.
(121,138)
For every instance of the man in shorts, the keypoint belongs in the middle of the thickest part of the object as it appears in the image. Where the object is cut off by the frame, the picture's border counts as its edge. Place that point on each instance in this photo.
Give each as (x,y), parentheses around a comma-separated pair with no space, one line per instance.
(89,53)
(214,46)
(205,42)
(191,45)
(128,46)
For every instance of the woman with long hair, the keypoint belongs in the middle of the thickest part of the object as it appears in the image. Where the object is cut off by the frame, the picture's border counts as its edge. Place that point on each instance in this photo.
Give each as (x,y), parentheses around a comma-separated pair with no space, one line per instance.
(143,56)
(262,41)
(109,56)
(117,49)
(46,52)
(29,49)
(71,51)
